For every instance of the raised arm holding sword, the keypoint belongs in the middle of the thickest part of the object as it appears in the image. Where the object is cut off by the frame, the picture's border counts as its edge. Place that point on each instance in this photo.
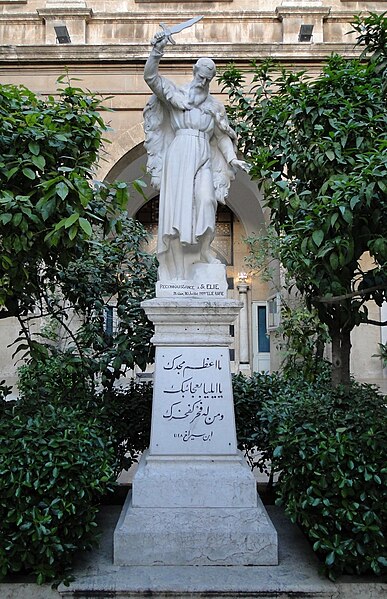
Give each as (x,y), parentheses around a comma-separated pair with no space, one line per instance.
(191,158)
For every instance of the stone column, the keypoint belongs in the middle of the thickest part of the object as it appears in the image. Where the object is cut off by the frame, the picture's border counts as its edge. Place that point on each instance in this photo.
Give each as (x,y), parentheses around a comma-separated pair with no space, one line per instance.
(244,361)
(194,499)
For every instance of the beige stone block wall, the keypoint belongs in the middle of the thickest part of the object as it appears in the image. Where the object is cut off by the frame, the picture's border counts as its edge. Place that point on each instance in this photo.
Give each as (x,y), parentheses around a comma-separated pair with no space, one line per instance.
(365,340)
(113,22)
(9,330)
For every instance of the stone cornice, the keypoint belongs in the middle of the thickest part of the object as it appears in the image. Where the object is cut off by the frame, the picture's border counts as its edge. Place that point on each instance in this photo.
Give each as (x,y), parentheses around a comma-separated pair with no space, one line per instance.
(68,12)
(224,16)
(291,11)
(19,18)
(132,53)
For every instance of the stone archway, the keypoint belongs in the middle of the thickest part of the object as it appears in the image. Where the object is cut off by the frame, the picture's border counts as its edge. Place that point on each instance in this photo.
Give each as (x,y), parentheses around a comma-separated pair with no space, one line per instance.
(245,198)
(245,202)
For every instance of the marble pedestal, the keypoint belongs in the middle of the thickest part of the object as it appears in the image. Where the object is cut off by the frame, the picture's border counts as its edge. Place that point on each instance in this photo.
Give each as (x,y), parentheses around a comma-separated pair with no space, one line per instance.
(194,499)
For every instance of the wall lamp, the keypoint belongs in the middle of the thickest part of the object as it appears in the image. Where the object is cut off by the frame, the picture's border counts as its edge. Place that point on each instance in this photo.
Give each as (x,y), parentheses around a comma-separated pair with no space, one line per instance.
(306,33)
(62,34)
(242,277)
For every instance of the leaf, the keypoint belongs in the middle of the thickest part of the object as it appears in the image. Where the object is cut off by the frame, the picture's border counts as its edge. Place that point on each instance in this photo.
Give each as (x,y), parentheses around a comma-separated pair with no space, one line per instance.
(17,219)
(330,558)
(48,208)
(34,148)
(11,172)
(348,216)
(71,220)
(318,237)
(27,172)
(86,226)
(62,190)
(277,451)
(5,218)
(73,232)
(39,161)
(334,261)
(330,155)
(355,200)
(140,183)
(122,195)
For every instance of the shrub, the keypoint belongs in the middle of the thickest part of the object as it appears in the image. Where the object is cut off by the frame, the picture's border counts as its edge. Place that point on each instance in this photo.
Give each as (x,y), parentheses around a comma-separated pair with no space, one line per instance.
(127,411)
(250,396)
(329,446)
(123,413)
(56,378)
(54,468)
(261,402)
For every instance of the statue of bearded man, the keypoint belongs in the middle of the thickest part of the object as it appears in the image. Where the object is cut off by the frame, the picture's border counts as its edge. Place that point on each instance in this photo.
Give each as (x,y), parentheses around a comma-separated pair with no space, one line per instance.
(192,160)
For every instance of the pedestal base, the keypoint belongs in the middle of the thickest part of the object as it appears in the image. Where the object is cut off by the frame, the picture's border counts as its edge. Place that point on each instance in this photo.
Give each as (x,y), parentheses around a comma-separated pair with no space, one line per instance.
(194,499)
(194,482)
(195,537)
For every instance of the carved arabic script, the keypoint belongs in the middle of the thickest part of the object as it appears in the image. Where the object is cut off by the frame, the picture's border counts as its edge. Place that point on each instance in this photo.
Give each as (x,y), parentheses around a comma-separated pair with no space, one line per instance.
(193,393)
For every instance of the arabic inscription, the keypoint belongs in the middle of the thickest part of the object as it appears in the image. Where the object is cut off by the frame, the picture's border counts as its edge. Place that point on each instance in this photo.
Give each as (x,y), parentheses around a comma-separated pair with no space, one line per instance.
(193,409)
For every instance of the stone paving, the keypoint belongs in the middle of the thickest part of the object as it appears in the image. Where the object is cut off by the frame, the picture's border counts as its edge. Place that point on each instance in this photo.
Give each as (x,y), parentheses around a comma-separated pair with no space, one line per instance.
(295,576)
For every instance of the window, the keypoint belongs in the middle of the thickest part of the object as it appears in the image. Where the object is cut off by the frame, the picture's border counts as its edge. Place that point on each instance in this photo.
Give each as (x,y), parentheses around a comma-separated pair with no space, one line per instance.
(110,320)
(263,337)
(273,312)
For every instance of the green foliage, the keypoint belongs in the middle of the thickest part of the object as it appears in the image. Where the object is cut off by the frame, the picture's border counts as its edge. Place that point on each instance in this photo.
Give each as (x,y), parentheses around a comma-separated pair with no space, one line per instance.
(115,273)
(119,270)
(262,400)
(330,451)
(122,413)
(127,411)
(67,245)
(55,466)
(383,353)
(301,339)
(372,30)
(318,147)
(328,448)
(48,148)
(58,379)
(251,394)
(5,390)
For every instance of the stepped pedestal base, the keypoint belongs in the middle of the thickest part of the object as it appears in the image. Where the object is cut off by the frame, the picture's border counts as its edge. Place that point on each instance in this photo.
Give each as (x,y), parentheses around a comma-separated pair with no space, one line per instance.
(194,499)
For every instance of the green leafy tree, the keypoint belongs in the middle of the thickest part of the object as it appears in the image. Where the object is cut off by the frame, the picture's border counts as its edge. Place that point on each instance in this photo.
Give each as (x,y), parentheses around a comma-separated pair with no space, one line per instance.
(108,331)
(319,149)
(65,238)
(48,149)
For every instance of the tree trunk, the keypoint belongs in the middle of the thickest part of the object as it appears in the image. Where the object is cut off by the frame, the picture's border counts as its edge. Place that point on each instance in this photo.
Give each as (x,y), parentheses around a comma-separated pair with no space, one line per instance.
(341,351)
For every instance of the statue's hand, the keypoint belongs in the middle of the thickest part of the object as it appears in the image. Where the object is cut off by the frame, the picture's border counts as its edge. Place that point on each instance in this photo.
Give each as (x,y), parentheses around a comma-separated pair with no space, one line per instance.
(241,164)
(159,41)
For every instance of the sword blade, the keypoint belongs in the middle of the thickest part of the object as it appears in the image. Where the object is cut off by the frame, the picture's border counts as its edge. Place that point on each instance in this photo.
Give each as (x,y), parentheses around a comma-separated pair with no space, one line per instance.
(181,26)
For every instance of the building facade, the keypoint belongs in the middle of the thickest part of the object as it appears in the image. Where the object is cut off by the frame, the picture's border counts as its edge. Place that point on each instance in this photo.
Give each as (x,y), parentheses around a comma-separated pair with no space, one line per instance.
(104,44)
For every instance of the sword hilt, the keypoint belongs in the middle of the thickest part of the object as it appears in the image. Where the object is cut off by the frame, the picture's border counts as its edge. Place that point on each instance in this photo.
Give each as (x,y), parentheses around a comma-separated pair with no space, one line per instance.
(167,34)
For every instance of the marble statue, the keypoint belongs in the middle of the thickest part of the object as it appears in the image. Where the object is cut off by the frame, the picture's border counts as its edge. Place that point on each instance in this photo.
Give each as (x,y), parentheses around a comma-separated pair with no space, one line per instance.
(192,160)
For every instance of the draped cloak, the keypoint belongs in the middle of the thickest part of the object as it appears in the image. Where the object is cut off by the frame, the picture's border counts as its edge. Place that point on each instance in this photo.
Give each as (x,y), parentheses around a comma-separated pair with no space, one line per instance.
(178,151)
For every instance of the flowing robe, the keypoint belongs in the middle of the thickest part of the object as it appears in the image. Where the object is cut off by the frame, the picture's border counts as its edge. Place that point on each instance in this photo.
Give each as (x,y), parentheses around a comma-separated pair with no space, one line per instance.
(190,148)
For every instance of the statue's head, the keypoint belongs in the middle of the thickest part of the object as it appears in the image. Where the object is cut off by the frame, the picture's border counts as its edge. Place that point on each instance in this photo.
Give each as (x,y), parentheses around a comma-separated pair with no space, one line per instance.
(204,69)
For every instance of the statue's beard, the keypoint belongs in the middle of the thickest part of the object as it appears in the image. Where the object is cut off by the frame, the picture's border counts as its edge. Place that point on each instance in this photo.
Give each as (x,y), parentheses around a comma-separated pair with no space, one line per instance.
(197,94)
